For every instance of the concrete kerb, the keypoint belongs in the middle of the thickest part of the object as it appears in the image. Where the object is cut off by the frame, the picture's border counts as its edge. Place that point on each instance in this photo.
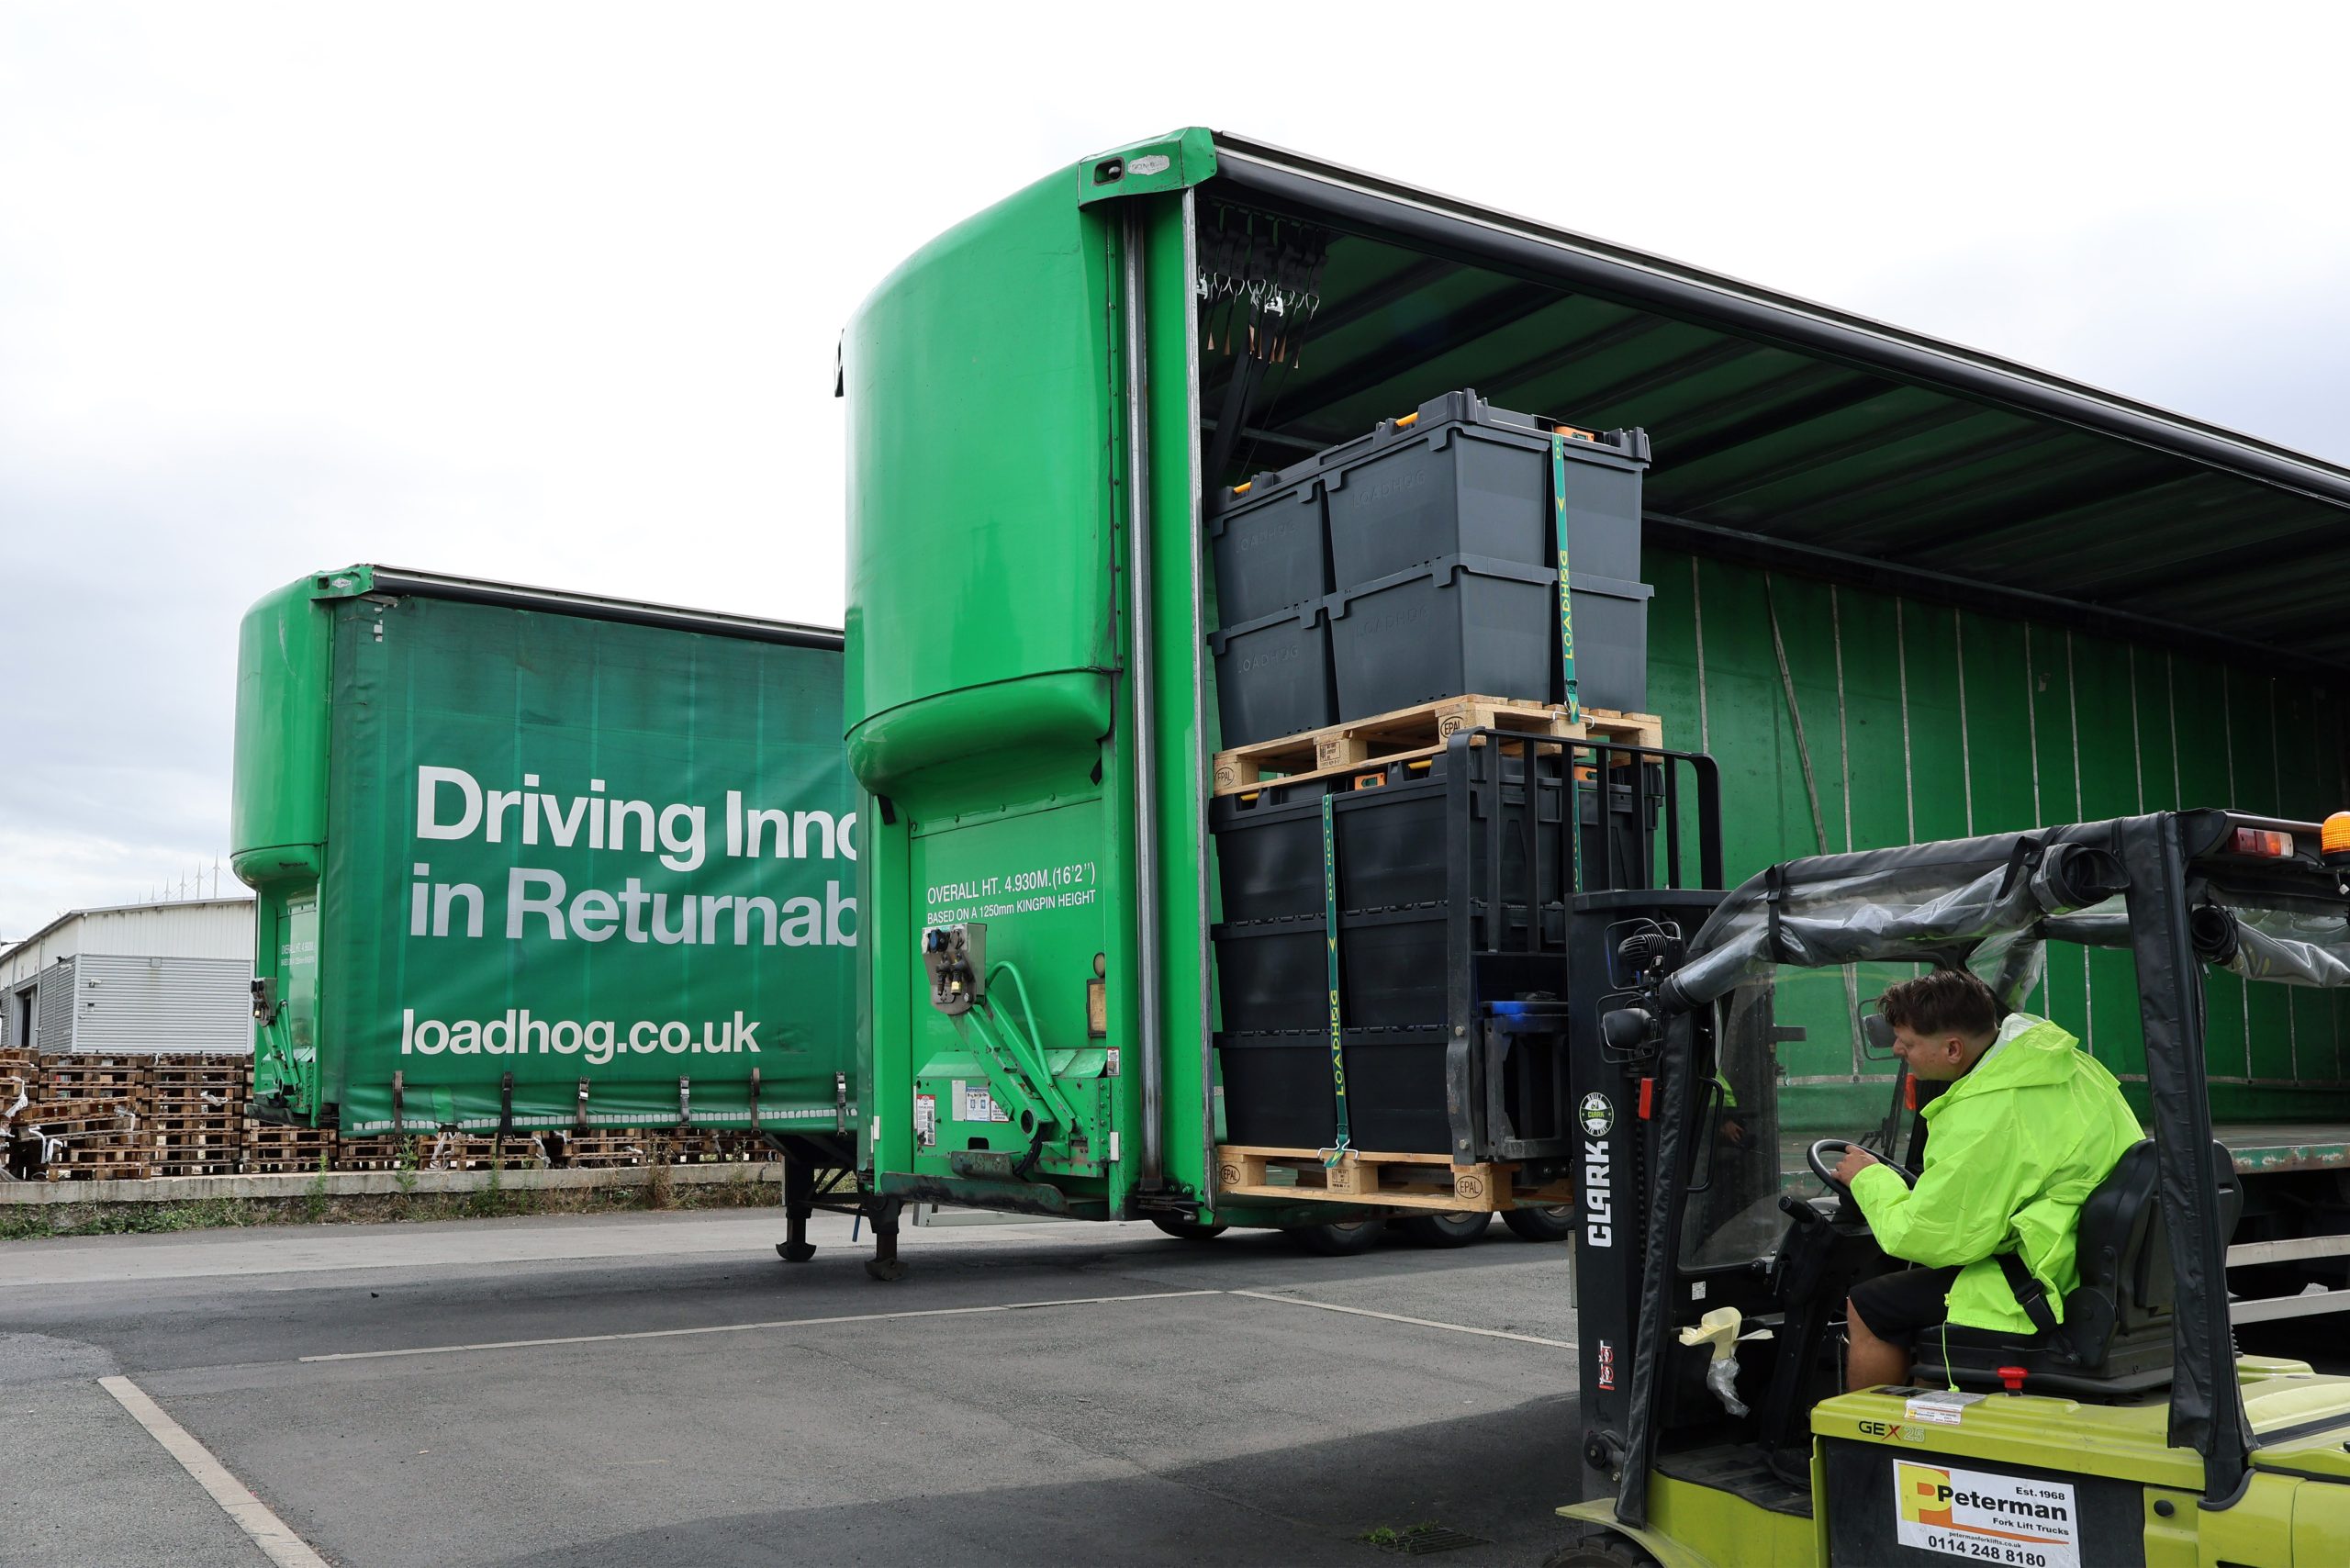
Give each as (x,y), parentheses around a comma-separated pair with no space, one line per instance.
(354,1183)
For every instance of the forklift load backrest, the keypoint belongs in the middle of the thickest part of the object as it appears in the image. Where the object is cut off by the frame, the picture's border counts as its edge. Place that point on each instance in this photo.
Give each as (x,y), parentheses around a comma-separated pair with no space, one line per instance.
(2127,1283)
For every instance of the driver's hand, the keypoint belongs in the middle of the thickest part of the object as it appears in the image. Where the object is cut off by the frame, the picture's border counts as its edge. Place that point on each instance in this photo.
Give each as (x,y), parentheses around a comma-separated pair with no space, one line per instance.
(1856,1159)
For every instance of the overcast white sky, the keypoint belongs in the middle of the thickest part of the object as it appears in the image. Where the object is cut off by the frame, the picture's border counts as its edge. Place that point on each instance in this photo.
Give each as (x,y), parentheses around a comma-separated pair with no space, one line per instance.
(550,293)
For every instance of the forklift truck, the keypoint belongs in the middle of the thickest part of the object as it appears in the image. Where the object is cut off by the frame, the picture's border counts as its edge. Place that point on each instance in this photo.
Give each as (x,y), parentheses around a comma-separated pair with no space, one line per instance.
(1711,1283)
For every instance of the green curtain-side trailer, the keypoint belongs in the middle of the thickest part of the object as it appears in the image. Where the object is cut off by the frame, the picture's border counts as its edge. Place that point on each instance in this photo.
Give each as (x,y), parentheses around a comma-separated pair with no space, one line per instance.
(1903,590)
(544,860)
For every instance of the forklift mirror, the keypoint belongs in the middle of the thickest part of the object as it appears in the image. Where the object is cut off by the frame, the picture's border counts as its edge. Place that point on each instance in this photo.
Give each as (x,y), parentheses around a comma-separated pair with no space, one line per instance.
(1877,1034)
(1627,1028)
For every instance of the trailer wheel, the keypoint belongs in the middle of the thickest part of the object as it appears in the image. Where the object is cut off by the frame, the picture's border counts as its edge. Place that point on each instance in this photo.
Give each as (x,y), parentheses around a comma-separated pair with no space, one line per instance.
(1554,1221)
(1338,1240)
(1183,1229)
(1452,1229)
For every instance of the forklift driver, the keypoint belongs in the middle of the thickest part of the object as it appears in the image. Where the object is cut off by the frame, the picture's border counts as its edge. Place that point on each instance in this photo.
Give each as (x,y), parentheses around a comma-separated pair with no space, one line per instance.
(2030,1125)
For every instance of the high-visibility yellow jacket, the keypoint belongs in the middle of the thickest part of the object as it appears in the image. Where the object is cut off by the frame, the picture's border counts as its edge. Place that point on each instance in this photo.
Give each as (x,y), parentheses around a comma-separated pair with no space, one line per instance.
(2016,1148)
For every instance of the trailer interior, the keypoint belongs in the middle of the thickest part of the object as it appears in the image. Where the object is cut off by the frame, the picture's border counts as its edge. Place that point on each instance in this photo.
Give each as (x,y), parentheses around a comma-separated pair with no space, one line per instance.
(2143,603)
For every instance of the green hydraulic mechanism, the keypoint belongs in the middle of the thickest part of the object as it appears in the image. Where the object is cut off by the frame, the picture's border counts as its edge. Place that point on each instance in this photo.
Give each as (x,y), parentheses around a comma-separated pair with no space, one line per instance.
(1014,1063)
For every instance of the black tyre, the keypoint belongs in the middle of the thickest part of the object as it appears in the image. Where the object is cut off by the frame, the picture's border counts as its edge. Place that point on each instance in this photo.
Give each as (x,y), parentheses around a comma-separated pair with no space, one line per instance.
(1338,1240)
(1554,1223)
(1600,1551)
(1183,1229)
(1449,1230)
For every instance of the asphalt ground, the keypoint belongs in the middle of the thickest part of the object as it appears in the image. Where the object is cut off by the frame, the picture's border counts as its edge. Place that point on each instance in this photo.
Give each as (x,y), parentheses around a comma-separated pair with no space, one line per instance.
(659,1389)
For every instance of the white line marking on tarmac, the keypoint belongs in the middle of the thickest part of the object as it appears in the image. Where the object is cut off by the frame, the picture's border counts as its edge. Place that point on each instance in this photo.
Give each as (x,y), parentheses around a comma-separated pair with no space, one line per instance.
(746,1328)
(1417,1322)
(252,1515)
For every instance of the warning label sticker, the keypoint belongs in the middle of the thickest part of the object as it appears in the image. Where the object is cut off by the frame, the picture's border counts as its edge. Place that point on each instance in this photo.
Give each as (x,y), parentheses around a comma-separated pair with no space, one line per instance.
(925,1121)
(1941,1408)
(1985,1518)
(979,1106)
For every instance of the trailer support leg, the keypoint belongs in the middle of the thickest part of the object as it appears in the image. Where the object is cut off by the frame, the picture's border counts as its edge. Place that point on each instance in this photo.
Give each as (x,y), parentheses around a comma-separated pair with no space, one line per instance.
(884,1264)
(799,1195)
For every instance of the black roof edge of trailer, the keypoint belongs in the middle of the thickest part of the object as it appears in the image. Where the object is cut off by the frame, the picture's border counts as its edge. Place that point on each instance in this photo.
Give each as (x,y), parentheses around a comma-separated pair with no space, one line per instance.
(1538,251)
(397,580)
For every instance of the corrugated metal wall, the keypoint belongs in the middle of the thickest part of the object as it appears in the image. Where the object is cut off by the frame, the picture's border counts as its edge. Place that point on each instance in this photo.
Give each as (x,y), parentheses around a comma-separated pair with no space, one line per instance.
(190,928)
(163,1004)
(1922,722)
(53,1018)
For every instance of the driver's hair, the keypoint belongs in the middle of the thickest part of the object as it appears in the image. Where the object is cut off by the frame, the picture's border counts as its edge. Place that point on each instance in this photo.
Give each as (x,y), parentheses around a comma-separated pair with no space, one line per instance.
(1948,1001)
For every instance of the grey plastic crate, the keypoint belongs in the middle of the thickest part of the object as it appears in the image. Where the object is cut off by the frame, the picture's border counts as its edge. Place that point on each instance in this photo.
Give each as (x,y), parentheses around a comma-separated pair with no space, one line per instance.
(1611,627)
(1272,674)
(1462,477)
(1270,544)
(1461,624)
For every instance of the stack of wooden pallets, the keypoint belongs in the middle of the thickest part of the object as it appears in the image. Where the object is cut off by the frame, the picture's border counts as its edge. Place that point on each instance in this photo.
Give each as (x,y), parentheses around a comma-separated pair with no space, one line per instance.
(86,1113)
(270,1150)
(195,1113)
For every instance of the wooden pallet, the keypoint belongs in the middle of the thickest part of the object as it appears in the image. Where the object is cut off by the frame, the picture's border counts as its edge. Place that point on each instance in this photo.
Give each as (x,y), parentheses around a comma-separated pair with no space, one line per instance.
(1391,1181)
(100,1123)
(270,1150)
(162,1166)
(126,1170)
(468,1152)
(102,1157)
(379,1151)
(605,1149)
(1409,733)
(116,1076)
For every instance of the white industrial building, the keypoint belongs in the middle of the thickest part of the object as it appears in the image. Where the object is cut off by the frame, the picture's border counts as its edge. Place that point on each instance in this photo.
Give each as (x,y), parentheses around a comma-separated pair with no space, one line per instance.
(149,976)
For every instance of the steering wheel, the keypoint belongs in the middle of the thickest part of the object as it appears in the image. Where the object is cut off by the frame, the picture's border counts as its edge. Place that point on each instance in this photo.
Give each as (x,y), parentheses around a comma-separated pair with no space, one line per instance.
(1828,1152)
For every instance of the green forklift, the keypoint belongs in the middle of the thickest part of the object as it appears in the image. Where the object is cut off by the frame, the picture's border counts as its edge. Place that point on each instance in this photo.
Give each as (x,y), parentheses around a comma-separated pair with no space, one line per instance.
(1712,1269)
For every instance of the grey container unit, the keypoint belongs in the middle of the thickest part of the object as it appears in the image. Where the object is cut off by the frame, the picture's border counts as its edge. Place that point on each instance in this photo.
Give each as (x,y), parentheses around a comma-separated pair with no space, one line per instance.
(1272,674)
(1463,481)
(1270,543)
(1464,623)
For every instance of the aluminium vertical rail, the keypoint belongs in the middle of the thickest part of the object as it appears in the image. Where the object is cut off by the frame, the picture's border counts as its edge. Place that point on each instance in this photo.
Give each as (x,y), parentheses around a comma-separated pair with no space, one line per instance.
(1150,1037)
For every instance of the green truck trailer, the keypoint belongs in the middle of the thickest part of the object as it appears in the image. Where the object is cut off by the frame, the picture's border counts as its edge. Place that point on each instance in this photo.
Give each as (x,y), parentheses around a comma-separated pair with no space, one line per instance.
(1900,592)
(536,860)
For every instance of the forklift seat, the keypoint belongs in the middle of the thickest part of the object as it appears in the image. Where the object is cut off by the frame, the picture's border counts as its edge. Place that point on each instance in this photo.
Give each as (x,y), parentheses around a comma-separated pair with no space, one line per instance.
(2115,1340)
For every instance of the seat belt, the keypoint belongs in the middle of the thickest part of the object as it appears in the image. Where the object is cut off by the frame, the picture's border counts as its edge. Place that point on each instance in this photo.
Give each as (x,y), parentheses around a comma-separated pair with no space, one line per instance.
(2030,1293)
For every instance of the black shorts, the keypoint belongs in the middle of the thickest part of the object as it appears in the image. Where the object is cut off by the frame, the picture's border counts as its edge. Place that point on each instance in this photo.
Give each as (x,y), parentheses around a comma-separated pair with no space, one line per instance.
(1896,1306)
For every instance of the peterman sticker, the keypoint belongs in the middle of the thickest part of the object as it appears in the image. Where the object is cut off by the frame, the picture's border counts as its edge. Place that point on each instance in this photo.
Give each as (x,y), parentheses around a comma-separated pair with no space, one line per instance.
(1599,1115)
(1985,1518)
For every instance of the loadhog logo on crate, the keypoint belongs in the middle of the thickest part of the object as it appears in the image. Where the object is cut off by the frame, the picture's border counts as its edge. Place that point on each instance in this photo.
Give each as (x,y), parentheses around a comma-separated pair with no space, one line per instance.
(1985,1518)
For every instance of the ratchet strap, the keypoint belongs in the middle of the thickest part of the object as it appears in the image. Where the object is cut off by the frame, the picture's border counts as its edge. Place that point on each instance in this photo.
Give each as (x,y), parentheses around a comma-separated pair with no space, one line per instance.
(1566,597)
(1567,673)
(1330,943)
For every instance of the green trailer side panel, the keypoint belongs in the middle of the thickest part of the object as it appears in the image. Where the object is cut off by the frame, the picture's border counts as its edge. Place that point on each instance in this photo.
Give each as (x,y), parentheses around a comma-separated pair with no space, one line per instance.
(986,694)
(541,858)
(1928,723)
(277,816)
(978,441)
(277,811)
